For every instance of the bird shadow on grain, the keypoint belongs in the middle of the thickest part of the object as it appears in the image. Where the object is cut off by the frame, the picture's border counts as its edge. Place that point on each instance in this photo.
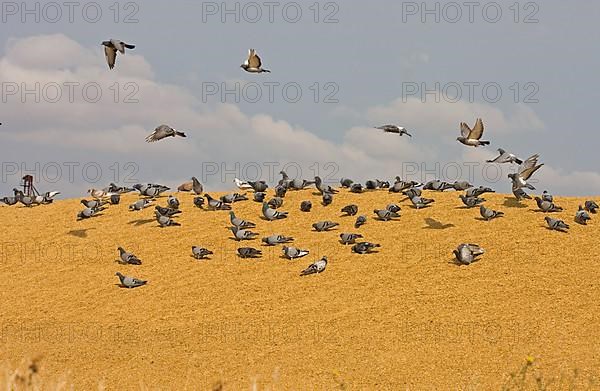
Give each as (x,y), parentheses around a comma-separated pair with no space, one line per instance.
(434,224)
(80,233)
(137,223)
(510,202)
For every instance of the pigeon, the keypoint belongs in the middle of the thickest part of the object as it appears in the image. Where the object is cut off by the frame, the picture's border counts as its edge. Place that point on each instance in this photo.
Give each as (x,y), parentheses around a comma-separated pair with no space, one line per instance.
(591,207)
(292,253)
(327,199)
(249,252)
(323,226)
(394,129)
(237,222)
(360,220)
(277,239)
(315,268)
(305,206)
(49,196)
(113,188)
(421,202)
(477,191)
(165,221)
(259,187)
(128,258)
(547,196)
(92,204)
(520,194)
(461,185)
(242,185)
(111,48)
(322,187)
(10,201)
(216,204)
(88,213)
(471,202)
(412,192)
(130,282)
(272,214)
(371,185)
(280,191)
(399,185)
(525,171)
(140,204)
(253,64)
(505,157)
(199,202)
(385,215)
(260,197)
(173,202)
(197,187)
(547,206)
(275,202)
(151,190)
(472,137)
(349,238)
(200,252)
(186,186)
(393,208)
(350,210)
(382,184)
(356,188)
(489,214)
(582,217)
(115,199)
(346,183)
(169,212)
(242,234)
(466,254)
(162,132)
(233,198)
(437,185)
(364,247)
(557,225)
(98,194)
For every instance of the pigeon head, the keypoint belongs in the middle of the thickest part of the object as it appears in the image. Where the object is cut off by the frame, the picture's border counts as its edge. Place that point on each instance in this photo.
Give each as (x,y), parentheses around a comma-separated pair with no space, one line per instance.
(121,250)
(118,274)
(106,43)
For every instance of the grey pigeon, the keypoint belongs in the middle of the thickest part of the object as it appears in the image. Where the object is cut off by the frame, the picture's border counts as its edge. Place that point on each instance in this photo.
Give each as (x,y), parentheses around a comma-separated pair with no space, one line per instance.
(315,268)
(93,203)
(557,225)
(477,191)
(293,184)
(471,202)
(327,199)
(393,208)
(128,258)
(280,191)
(520,194)
(199,202)
(249,252)
(525,171)
(364,247)
(260,196)
(489,214)
(113,188)
(360,220)
(505,157)
(165,221)
(350,210)
(88,213)
(173,202)
(111,48)
(412,192)
(437,185)
(591,207)
(399,185)
(466,254)
(323,188)
(582,217)
(272,214)
(294,253)
(323,226)
(472,137)
(277,239)
(346,183)
(547,196)
(242,234)
(547,206)
(233,198)
(197,187)
(349,238)
(461,185)
(385,215)
(216,204)
(259,186)
(383,184)
(140,204)
(305,206)
(151,190)
(394,129)
(10,201)
(240,223)
(115,199)
(200,252)
(169,212)
(130,282)
(162,132)
(275,202)
(421,202)
(371,185)
(356,188)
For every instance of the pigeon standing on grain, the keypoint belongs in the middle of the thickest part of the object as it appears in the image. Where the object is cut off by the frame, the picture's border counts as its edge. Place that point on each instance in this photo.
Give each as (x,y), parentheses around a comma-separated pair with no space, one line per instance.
(520,194)
(259,197)
(272,214)
(547,196)
(371,185)
(472,137)
(437,185)
(323,188)
(350,210)
(556,224)
(275,202)
(140,204)
(93,203)
(525,171)
(489,214)
(385,215)
(356,188)
(162,132)
(364,247)
(197,187)
(199,202)
(471,202)
(461,185)
(242,234)
(360,221)
(89,213)
(315,268)
(253,63)
(216,204)
(466,254)
(115,199)
(173,202)
(259,186)
(393,208)
(130,282)
(327,199)
(111,48)
(421,202)
(547,206)
(305,206)
(349,238)
(249,252)
(128,258)
(394,129)
(591,207)
(200,252)
(280,191)
(151,190)
(233,198)
(477,191)
(346,183)
(240,223)
(165,221)
(582,217)
(323,226)
(505,157)
(412,192)
(186,186)
(274,240)
(292,253)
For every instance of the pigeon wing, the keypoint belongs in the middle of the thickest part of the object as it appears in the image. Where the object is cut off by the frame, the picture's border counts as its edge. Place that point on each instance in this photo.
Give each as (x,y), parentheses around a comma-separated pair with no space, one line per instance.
(465,130)
(111,56)
(253,60)
(526,174)
(477,131)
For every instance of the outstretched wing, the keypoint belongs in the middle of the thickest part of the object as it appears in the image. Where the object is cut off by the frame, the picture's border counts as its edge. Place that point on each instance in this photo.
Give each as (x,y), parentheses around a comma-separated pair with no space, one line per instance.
(465,130)
(477,131)
(111,56)
(529,172)
(253,60)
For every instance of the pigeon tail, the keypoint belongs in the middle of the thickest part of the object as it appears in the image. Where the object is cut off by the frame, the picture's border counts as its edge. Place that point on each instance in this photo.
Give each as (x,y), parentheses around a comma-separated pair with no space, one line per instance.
(519,161)
(484,142)
(180,134)
(128,46)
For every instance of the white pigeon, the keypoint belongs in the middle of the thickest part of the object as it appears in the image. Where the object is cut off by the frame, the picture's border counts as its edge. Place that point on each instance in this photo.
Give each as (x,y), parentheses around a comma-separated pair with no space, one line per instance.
(253,64)
(110,50)
(242,185)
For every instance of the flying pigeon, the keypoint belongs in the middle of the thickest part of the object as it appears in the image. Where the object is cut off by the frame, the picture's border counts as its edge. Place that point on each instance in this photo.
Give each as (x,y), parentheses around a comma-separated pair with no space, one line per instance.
(294,253)
(489,214)
(323,226)
(466,254)
(505,157)
(128,258)
(350,210)
(394,129)
(582,217)
(253,64)
(555,224)
(471,137)
(130,282)
(140,204)
(249,252)
(471,202)
(165,221)
(364,247)
(315,268)
(591,207)
(272,214)
(385,215)
(242,234)
(163,131)
(547,206)
(305,206)
(240,223)
(200,252)
(526,170)
(349,238)
(111,48)
(360,220)
(277,239)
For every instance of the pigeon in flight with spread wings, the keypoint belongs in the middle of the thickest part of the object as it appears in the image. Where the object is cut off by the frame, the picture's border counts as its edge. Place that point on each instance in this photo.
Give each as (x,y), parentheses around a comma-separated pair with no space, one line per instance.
(505,157)
(112,47)
(394,129)
(163,131)
(253,64)
(526,170)
(471,137)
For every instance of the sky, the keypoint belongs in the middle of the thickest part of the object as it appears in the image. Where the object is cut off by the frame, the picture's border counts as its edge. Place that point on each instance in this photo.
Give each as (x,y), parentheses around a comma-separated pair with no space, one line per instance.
(529,69)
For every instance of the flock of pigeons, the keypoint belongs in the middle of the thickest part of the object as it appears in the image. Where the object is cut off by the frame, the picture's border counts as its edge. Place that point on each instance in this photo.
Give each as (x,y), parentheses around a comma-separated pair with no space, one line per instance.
(241,229)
